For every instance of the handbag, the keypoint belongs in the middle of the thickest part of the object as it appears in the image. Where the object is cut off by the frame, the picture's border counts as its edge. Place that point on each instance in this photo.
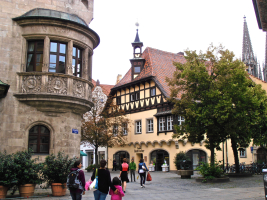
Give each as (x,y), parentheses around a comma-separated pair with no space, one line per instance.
(143,167)
(87,184)
(94,184)
(148,177)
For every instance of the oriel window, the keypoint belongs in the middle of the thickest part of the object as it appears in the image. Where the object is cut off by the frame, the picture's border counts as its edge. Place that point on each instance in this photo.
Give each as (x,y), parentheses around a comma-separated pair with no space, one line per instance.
(57,57)
(35,56)
(76,62)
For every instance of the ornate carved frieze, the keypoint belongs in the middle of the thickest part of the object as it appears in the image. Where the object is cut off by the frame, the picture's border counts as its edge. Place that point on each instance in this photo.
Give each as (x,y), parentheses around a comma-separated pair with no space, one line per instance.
(57,85)
(31,84)
(78,89)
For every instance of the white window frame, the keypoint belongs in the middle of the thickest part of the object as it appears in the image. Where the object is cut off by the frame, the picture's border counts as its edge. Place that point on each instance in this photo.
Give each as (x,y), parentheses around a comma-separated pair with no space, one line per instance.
(170,123)
(243,153)
(138,126)
(115,130)
(161,123)
(149,125)
(124,129)
(180,120)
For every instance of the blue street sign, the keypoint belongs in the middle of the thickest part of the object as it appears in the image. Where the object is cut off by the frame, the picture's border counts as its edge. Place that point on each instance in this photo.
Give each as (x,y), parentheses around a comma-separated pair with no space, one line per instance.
(251,149)
(75,131)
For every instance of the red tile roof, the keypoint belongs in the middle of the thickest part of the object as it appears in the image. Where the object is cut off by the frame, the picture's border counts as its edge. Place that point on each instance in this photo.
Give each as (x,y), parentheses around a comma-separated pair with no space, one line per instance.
(105,88)
(158,64)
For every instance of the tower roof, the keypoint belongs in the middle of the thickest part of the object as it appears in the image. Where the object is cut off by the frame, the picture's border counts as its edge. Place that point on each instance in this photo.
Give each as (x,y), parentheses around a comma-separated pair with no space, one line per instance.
(137,40)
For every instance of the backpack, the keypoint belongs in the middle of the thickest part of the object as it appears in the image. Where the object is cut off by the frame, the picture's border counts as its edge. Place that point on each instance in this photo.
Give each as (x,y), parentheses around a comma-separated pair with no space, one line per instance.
(73,182)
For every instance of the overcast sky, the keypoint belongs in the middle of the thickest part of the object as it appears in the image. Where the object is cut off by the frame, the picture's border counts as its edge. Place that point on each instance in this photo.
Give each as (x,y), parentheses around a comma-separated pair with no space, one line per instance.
(169,25)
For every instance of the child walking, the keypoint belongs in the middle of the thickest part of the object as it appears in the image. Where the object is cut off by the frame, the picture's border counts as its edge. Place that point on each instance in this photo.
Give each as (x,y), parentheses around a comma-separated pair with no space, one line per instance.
(117,184)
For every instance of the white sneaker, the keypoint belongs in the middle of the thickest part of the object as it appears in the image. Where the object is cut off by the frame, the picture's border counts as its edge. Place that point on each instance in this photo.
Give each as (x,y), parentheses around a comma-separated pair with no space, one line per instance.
(141,186)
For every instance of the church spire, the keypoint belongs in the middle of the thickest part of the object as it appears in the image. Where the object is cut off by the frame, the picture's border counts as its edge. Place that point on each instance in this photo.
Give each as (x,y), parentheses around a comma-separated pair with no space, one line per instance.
(247,52)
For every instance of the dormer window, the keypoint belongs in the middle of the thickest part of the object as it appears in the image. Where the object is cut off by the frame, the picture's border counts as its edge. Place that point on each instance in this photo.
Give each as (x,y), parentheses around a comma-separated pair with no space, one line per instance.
(137,70)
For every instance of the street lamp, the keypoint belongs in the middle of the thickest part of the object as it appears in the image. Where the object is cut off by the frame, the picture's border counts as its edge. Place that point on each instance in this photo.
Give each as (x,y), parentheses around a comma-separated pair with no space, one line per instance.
(3,89)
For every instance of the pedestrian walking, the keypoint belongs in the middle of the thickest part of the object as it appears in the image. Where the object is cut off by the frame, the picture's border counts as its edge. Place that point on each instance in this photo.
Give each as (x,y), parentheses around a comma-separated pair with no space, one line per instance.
(76,193)
(132,168)
(114,165)
(104,182)
(117,184)
(124,170)
(142,172)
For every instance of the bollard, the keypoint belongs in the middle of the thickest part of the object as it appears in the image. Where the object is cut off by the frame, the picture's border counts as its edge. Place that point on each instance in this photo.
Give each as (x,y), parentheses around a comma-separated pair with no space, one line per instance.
(264,172)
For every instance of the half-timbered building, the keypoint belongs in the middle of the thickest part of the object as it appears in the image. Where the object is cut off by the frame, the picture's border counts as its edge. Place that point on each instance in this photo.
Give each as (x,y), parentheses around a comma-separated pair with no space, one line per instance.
(142,93)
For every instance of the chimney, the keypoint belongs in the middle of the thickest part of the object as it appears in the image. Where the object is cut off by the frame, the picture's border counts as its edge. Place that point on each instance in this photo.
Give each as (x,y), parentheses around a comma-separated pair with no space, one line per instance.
(180,53)
(97,83)
(118,78)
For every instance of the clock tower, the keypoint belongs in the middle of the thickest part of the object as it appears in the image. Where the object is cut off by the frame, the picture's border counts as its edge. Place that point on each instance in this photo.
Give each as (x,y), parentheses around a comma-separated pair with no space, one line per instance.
(137,61)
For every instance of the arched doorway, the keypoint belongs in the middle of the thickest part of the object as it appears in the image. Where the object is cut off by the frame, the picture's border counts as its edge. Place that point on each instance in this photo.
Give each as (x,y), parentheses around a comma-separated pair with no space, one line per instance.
(159,157)
(119,157)
(261,155)
(196,156)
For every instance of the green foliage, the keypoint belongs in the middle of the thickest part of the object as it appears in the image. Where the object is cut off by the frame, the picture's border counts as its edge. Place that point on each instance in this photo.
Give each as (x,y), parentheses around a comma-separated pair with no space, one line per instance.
(180,157)
(25,168)
(7,170)
(209,170)
(57,168)
(92,167)
(218,101)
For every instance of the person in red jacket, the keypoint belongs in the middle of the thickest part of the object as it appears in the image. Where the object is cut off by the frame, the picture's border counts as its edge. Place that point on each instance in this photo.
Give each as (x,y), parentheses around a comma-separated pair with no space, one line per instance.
(76,194)
(124,173)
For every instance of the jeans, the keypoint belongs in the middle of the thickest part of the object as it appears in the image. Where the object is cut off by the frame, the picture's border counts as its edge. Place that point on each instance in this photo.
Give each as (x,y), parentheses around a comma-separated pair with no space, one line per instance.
(142,178)
(99,195)
(132,174)
(76,196)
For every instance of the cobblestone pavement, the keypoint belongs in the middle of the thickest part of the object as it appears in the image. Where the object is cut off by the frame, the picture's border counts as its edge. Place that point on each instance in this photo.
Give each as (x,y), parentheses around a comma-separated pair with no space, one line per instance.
(171,186)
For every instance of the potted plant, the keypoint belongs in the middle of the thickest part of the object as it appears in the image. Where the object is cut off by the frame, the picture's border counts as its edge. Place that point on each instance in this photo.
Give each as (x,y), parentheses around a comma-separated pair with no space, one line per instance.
(27,171)
(55,172)
(183,163)
(7,173)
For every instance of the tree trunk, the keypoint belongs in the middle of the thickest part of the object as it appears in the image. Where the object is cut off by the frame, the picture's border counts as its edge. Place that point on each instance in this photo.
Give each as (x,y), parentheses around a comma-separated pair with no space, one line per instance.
(212,159)
(233,142)
(96,155)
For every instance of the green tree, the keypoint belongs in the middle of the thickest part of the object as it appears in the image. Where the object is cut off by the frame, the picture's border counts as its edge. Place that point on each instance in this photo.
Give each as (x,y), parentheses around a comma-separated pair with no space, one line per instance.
(104,126)
(214,93)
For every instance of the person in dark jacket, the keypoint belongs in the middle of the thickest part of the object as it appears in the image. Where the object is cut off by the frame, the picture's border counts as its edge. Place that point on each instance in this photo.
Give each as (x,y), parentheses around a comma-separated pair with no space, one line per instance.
(142,172)
(114,165)
(104,182)
(76,194)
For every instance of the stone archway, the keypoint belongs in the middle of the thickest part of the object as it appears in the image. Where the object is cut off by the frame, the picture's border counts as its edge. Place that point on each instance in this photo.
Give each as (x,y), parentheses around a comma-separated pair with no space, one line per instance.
(159,157)
(196,156)
(119,157)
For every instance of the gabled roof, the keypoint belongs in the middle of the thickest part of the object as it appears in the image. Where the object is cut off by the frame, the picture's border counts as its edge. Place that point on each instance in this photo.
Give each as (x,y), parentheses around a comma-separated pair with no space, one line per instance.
(105,88)
(158,66)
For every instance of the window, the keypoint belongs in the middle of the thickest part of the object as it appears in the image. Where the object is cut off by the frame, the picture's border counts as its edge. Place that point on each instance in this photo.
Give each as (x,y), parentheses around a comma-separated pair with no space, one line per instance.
(35,56)
(115,130)
(136,71)
(101,155)
(124,129)
(153,92)
(161,123)
(169,122)
(118,99)
(57,57)
(149,123)
(242,153)
(135,96)
(77,62)
(138,127)
(180,120)
(39,137)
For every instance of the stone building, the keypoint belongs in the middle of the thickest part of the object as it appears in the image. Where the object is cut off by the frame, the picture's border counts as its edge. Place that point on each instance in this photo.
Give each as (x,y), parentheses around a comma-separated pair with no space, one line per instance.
(46,58)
